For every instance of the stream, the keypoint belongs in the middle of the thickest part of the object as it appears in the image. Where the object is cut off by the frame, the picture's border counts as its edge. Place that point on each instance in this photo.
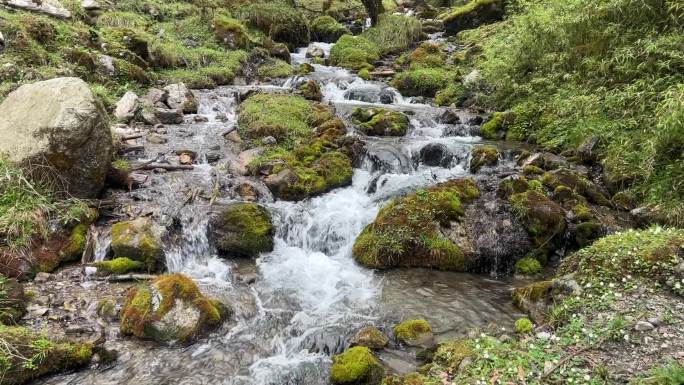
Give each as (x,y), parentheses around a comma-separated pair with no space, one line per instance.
(308,296)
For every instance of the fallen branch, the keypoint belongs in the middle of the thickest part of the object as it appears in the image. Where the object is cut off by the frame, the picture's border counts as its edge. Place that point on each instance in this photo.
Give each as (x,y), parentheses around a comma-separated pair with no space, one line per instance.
(131,136)
(126,277)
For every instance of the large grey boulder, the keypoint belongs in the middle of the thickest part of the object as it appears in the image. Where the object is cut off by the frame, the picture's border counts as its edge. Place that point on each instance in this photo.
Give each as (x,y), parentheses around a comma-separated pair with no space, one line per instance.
(127,107)
(49,7)
(181,98)
(58,123)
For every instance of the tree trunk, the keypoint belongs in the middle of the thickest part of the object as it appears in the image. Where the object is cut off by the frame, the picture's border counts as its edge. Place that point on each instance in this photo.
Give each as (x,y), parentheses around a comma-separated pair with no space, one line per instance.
(374,9)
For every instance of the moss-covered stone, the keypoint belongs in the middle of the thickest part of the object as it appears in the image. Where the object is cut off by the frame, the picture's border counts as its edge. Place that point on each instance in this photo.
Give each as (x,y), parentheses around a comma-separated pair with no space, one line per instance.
(406,231)
(528,266)
(513,184)
(138,240)
(577,183)
(12,300)
(543,218)
(496,126)
(230,32)
(394,33)
(327,29)
(370,337)
(523,326)
(356,366)
(276,68)
(73,250)
(422,81)
(354,52)
(472,15)
(306,68)
(307,160)
(279,21)
(381,121)
(310,90)
(483,156)
(451,354)
(27,355)
(408,379)
(242,230)
(171,309)
(121,265)
(587,232)
(414,332)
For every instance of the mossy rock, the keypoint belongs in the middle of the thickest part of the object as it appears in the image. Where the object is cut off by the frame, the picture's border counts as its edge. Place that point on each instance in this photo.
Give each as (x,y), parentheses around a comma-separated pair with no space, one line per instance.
(34,355)
(354,52)
(279,21)
(513,184)
(229,32)
(170,310)
(73,250)
(406,231)
(310,90)
(483,156)
(428,54)
(451,354)
(305,68)
(121,265)
(496,126)
(543,218)
(416,332)
(577,183)
(138,240)
(327,29)
(356,366)
(422,81)
(534,299)
(242,230)
(407,379)
(523,326)
(587,232)
(472,15)
(381,121)
(528,266)
(12,300)
(370,337)
(276,68)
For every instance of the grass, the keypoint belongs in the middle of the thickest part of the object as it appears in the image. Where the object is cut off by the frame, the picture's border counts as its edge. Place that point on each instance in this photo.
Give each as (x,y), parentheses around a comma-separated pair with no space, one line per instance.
(354,52)
(394,33)
(612,70)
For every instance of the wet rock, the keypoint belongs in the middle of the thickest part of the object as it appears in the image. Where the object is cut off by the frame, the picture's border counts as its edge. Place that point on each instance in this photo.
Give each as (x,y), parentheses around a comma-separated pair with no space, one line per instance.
(544,160)
(269,141)
(234,137)
(181,98)
(200,119)
(587,151)
(240,166)
(474,120)
(156,138)
(280,182)
(127,107)
(139,240)
(513,184)
(481,12)
(386,96)
(357,365)
(534,299)
(248,192)
(380,121)
(543,218)
(414,333)
(370,337)
(483,156)
(315,51)
(577,182)
(69,133)
(383,72)
(170,310)
(311,91)
(186,157)
(221,117)
(435,155)
(156,98)
(107,63)
(168,116)
(49,7)
(433,26)
(241,230)
(212,157)
(13,301)
(280,51)
(449,116)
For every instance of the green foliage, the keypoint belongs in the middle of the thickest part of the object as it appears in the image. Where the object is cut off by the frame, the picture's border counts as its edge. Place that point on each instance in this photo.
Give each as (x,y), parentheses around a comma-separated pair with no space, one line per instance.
(422,81)
(121,265)
(496,126)
(523,326)
(27,206)
(355,52)
(610,69)
(26,355)
(285,117)
(528,266)
(671,373)
(405,232)
(357,365)
(278,20)
(394,33)
(327,29)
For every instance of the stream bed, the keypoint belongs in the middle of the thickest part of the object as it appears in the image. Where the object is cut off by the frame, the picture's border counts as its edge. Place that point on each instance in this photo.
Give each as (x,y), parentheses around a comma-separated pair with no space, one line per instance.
(307,298)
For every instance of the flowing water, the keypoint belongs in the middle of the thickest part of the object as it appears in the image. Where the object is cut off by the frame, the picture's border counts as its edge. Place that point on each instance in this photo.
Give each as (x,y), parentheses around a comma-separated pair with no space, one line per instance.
(309,296)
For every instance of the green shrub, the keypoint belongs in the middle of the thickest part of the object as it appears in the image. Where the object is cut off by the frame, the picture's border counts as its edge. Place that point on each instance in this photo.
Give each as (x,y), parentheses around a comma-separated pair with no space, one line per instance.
(528,266)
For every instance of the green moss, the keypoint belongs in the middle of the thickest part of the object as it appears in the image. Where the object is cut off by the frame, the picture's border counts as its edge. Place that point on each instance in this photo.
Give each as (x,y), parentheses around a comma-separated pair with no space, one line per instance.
(310,90)
(451,354)
(285,117)
(587,232)
(381,121)
(275,69)
(495,128)
(136,240)
(523,326)
(411,330)
(327,29)
(408,379)
(364,73)
(370,337)
(472,15)
(528,266)
(422,81)
(305,68)
(27,355)
(394,33)
(357,365)
(73,250)
(428,54)
(140,314)
(243,230)
(279,21)
(543,218)
(106,308)
(532,170)
(483,156)
(121,265)
(230,32)
(454,93)
(354,52)
(405,232)
(12,300)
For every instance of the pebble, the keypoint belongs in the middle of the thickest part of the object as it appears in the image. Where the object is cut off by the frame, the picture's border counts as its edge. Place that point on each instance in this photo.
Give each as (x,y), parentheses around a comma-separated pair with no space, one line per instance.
(544,335)
(269,140)
(42,277)
(643,326)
